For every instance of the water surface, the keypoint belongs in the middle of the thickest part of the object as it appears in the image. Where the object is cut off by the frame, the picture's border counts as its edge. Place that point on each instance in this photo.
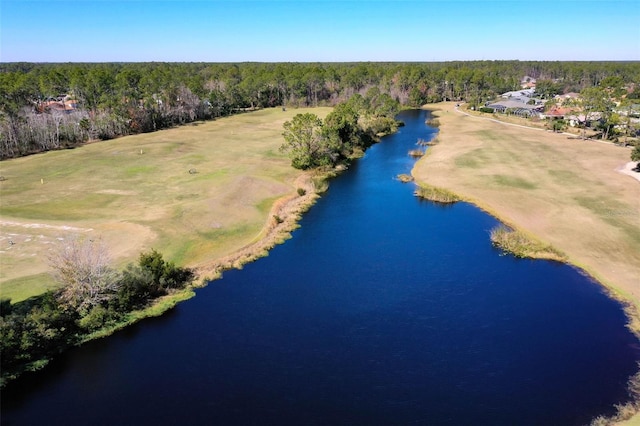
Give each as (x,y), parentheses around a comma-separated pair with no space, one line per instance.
(381,310)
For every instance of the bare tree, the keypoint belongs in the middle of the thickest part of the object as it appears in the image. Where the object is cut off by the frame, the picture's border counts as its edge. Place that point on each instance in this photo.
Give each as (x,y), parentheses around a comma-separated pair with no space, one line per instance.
(82,267)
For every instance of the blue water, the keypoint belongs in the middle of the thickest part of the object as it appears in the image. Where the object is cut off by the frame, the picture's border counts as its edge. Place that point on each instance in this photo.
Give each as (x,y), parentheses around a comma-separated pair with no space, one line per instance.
(381,310)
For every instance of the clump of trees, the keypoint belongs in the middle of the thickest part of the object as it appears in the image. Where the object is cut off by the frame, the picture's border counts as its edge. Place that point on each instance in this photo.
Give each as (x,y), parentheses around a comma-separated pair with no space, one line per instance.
(350,128)
(93,297)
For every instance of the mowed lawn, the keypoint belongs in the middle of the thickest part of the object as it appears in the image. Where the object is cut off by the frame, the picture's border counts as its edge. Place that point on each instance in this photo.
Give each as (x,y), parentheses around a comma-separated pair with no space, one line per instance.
(567,192)
(195,193)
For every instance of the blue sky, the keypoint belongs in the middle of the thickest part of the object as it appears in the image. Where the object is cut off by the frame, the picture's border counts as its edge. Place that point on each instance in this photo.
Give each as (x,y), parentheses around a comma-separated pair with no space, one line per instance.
(325,30)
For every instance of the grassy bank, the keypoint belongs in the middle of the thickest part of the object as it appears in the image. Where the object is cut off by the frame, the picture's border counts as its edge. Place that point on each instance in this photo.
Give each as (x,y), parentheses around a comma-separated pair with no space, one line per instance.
(195,193)
(564,192)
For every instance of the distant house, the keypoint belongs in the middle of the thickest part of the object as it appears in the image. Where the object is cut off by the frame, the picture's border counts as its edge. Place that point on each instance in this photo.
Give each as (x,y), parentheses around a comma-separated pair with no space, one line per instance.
(61,104)
(518,106)
(528,93)
(581,119)
(528,82)
(566,97)
(557,113)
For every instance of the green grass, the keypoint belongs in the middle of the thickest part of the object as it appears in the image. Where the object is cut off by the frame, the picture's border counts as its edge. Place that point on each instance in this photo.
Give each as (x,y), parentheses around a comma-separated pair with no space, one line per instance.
(20,289)
(619,215)
(139,170)
(73,207)
(265,205)
(513,182)
(564,176)
(468,161)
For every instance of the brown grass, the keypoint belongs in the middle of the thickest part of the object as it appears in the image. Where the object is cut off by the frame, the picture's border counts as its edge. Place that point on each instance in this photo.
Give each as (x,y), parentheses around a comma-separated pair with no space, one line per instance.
(521,245)
(435,194)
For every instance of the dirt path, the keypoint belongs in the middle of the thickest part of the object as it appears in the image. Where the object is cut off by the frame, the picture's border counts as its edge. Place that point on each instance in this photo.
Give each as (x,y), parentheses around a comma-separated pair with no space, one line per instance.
(43,226)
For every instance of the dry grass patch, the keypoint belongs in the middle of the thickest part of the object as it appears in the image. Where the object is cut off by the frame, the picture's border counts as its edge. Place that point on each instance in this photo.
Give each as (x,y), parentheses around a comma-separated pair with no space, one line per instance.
(435,194)
(521,245)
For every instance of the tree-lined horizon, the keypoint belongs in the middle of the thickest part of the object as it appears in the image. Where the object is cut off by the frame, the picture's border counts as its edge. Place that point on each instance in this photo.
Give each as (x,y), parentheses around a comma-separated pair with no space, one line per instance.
(116,99)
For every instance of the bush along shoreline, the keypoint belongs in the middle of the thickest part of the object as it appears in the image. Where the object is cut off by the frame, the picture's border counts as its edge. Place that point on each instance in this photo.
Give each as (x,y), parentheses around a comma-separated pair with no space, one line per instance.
(520,245)
(35,331)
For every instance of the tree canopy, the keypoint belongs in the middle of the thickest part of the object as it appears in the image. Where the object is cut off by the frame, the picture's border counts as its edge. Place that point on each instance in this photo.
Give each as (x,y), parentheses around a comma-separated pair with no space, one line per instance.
(53,106)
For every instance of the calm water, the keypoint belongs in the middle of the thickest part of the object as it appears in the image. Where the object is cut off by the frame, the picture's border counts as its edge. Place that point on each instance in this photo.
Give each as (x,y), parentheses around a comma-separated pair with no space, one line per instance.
(381,310)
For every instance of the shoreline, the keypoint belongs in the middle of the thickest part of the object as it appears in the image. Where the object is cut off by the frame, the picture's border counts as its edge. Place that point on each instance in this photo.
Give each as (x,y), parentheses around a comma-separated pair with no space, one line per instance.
(464,178)
(623,169)
(288,210)
(628,413)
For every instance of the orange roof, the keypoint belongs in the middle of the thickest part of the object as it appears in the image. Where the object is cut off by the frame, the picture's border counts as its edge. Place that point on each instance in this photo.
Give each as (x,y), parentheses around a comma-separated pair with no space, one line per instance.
(558,112)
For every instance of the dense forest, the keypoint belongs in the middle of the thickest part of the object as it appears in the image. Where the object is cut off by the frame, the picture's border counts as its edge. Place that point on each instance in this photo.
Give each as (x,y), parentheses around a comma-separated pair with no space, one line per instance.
(53,106)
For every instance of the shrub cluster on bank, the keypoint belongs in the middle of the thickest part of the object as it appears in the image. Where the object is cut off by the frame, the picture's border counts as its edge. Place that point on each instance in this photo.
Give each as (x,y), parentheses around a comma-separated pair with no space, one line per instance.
(34,331)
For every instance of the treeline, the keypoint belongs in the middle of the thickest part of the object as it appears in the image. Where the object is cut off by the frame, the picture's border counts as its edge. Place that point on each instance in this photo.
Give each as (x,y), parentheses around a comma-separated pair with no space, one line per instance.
(93,298)
(115,99)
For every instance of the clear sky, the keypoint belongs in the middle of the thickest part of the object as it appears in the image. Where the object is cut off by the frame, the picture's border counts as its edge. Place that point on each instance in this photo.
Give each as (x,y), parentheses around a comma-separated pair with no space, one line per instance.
(323,30)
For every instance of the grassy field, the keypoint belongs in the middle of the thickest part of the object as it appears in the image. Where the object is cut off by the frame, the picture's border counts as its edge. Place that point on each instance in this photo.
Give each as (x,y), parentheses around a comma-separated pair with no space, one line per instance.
(195,193)
(566,192)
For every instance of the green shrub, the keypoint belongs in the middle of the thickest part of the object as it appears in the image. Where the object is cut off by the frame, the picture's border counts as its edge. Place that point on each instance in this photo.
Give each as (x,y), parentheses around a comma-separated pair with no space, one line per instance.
(95,319)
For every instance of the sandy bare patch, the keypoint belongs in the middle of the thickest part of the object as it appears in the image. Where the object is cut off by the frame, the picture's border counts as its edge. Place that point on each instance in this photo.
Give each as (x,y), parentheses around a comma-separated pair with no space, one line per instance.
(116,192)
(25,247)
(12,224)
(627,170)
